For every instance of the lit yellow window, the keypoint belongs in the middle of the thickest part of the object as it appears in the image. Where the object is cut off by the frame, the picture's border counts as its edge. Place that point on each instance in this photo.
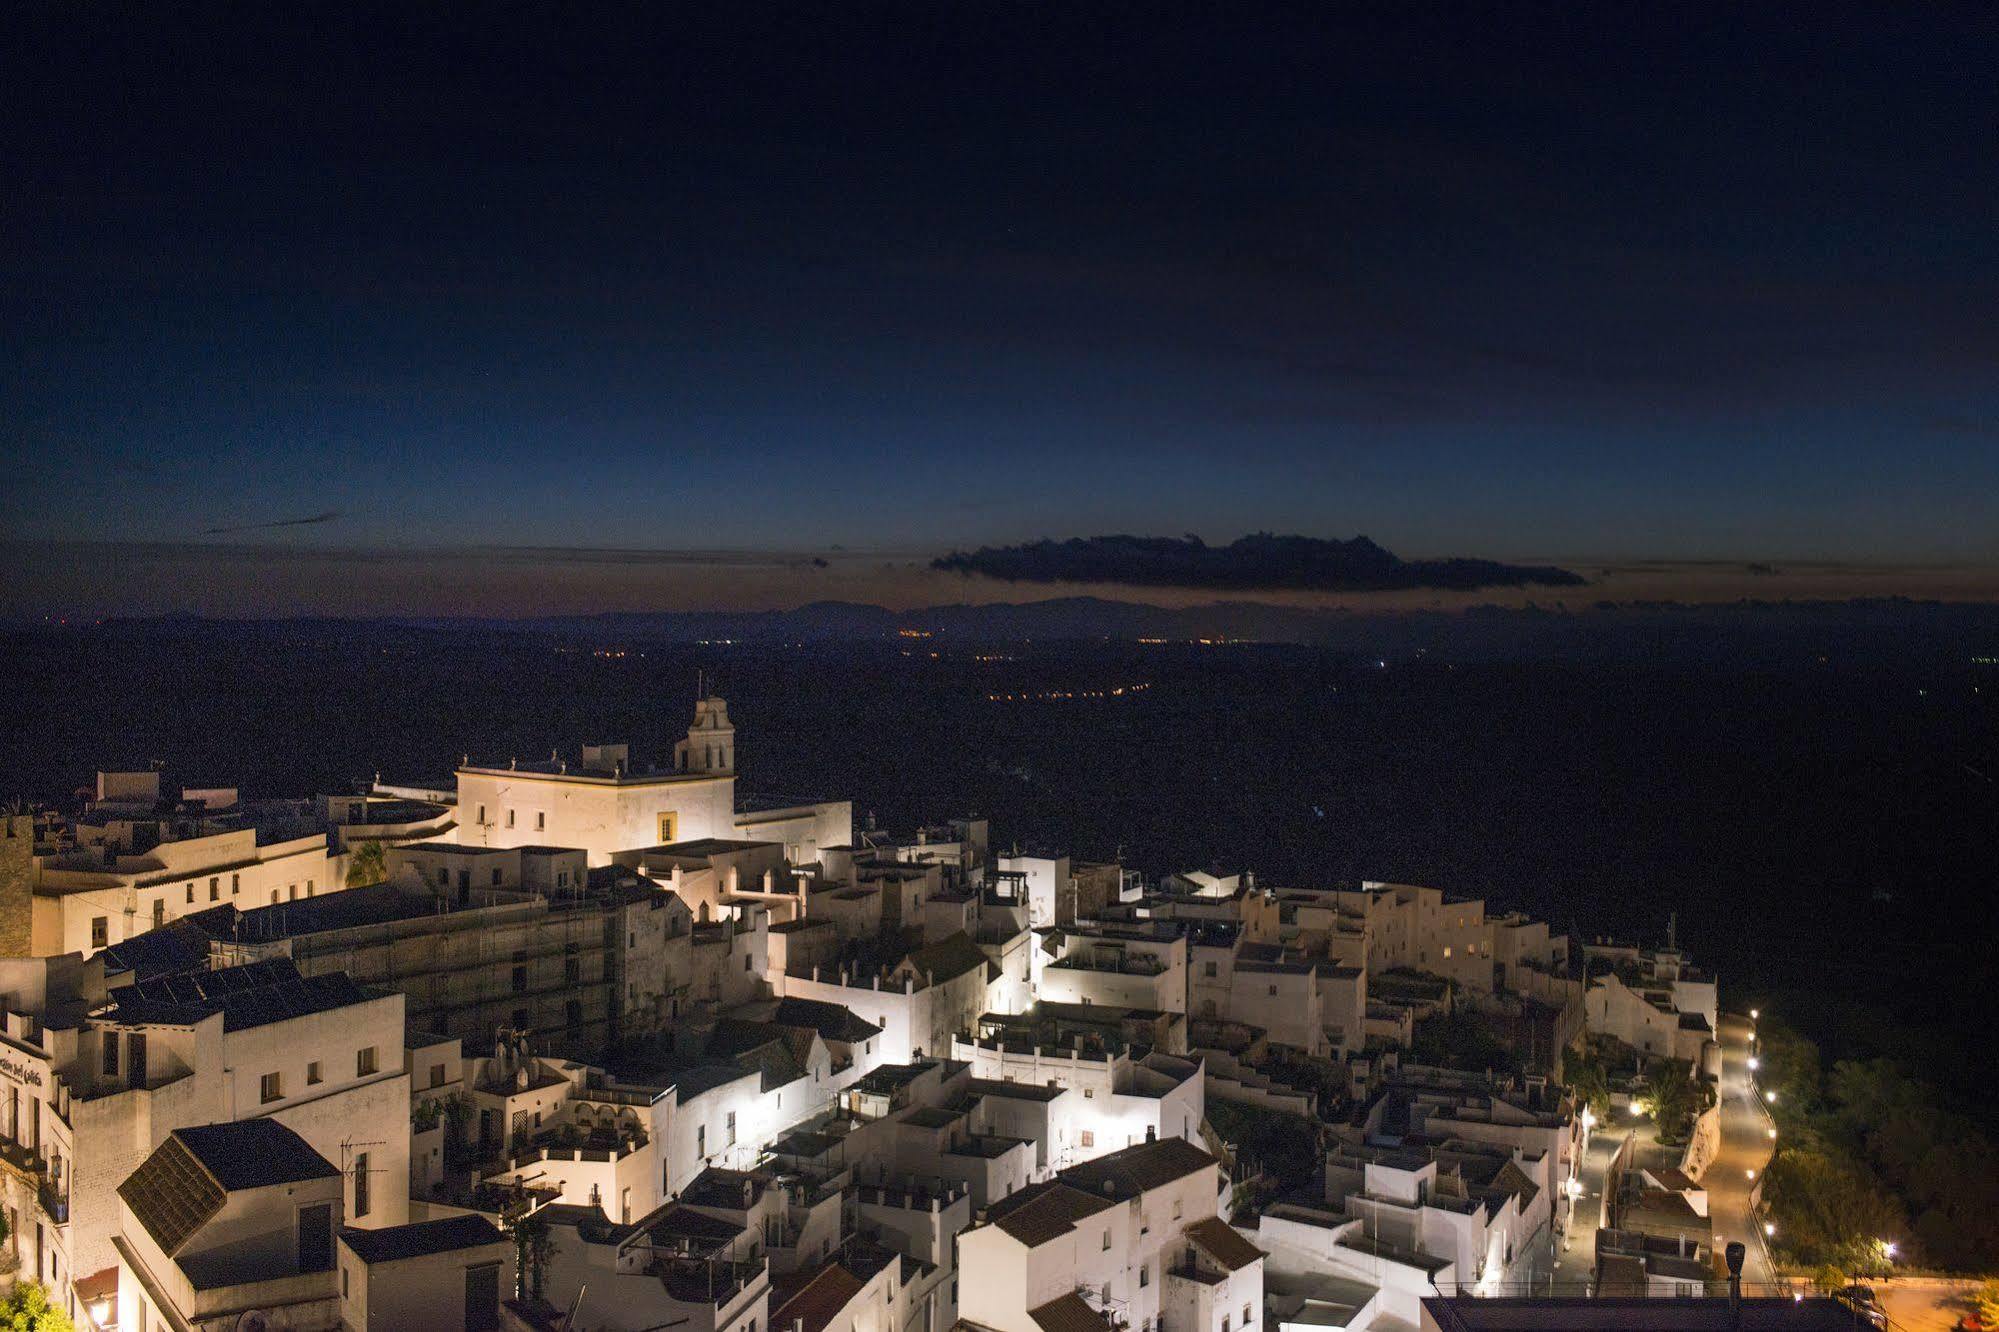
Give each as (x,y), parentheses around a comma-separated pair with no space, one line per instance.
(667,822)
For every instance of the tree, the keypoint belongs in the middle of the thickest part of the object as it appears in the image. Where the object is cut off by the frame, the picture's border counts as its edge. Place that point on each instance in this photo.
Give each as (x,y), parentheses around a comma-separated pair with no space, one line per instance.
(26,1308)
(366,864)
(1589,1084)
(1987,1301)
(1829,1208)
(1670,1089)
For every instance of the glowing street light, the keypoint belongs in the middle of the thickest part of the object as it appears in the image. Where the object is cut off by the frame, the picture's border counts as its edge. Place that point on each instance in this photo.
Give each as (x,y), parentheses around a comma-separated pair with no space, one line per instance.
(1773,1135)
(1888,1249)
(1750,1173)
(1637,1109)
(1755,1014)
(1769,1227)
(1771,1097)
(1754,1063)
(1589,1118)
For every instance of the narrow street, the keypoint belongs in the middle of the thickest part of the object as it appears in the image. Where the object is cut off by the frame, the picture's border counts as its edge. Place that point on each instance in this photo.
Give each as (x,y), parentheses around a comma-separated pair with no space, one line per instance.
(1575,1267)
(1745,1146)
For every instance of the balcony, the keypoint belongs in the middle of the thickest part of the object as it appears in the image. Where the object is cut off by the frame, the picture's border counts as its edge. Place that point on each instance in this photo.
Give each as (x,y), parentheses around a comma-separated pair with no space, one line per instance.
(54,1205)
(22,1159)
(1113,962)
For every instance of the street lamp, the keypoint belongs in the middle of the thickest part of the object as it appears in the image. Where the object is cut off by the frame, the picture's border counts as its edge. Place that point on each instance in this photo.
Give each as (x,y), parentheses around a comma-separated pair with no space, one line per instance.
(1589,1118)
(1771,1097)
(1888,1250)
(1773,1135)
(1750,1173)
(1754,1064)
(1755,1014)
(1769,1227)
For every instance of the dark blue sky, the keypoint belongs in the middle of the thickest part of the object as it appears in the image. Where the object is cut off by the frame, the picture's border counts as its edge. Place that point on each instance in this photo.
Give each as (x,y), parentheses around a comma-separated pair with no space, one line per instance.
(1602,282)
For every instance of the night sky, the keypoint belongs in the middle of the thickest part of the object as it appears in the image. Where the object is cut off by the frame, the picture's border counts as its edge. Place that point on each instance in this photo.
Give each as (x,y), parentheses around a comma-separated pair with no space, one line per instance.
(544,312)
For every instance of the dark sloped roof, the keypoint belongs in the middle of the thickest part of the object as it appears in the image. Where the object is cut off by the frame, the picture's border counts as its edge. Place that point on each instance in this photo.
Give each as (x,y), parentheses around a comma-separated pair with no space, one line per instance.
(950,958)
(246,996)
(1219,1241)
(833,1022)
(254,1153)
(1069,1313)
(179,945)
(1135,1169)
(420,1239)
(820,1300)
(1042,1212)
(377,904)
(171,1195)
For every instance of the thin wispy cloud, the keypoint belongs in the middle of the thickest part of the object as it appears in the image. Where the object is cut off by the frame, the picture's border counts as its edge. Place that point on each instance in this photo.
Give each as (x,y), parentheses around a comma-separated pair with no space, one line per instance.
(308,521)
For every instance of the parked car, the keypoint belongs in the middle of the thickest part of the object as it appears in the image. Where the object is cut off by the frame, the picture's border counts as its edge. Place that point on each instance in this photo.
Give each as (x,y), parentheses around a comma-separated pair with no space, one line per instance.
(1861,1300)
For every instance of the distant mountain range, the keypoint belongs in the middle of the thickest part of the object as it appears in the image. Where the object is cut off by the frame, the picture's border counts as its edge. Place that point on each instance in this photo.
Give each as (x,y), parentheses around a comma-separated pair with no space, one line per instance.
(1776,633)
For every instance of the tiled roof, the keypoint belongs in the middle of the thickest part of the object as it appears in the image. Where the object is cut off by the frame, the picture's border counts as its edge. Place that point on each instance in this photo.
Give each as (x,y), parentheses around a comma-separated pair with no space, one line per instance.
(1132,1171)
(420,1239)
(171,1195)
(1219,1241)
(254,1154)
(950,958)
(819,1301)
(246,996)
(833,1022)
(1042,1212)
(1069,1313)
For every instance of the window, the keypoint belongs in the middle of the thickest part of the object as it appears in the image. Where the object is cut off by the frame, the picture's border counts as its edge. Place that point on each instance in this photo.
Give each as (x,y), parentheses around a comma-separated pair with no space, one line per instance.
(135,1059)
(496,878)
(313,1076)
(510,818)
(1209,969)
(345,1291)
(1178,1207)
(520,1019)
(111,1054)
(572,1013)
(308,887)
(1245,1316)
(100,931)
(1273,991)
(482,816)
(360,1183)
(364,1062)
(746,962)
(520,979)
(1107,1239)
(274,896)
(1447,950)
(572,970)
(291,891)
(1144,1277)
(1089,1093)
(729,1132)
(1225,1323)
(190,894)
(235,884)
(274,1087)
(437,1075)
(215,889)
(701,1140)
(540,820)
(667,822)
(1089,1138)
(159,912)
(444,878)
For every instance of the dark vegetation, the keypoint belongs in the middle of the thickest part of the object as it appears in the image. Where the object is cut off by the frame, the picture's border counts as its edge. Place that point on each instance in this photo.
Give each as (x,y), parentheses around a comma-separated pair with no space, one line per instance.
(1869,1152)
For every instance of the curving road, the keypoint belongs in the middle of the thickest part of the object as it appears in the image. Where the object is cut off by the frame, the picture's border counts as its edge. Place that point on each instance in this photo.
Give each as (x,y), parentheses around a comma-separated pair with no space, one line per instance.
(1745,1147)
